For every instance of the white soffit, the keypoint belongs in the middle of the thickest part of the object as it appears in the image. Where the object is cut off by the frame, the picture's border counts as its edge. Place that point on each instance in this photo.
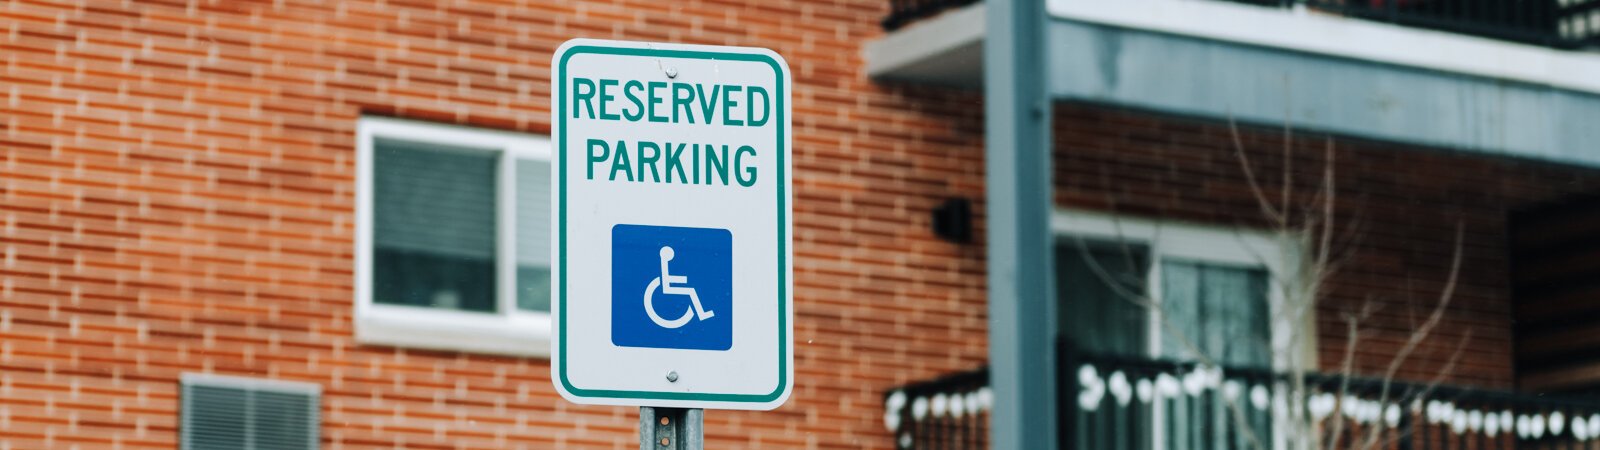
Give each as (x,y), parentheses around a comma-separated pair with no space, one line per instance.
(1312,32)
(948,48)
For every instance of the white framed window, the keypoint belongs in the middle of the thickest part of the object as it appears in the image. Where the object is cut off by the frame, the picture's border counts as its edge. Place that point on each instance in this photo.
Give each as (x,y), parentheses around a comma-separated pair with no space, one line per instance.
(1222,288)
(1218,283)
(452,238)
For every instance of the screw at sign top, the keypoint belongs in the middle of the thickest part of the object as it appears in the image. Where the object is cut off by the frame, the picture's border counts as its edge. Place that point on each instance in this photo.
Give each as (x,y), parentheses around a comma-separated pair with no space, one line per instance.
(672,72)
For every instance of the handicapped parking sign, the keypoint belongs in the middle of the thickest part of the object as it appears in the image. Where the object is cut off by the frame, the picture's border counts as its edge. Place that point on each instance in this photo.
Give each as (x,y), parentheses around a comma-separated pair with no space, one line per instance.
(671,287)
(671,259)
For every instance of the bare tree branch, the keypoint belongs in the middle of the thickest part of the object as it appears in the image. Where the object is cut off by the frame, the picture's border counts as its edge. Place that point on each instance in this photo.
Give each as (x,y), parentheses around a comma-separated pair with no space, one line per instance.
(1426,329)
(1316,242)
(1267,209)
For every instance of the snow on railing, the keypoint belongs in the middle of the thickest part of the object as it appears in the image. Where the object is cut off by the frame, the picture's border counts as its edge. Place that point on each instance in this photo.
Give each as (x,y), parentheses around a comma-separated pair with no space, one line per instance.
(1130,404)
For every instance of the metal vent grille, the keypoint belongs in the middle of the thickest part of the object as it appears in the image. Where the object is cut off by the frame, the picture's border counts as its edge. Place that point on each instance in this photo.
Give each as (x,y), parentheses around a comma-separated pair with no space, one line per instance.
(230,413)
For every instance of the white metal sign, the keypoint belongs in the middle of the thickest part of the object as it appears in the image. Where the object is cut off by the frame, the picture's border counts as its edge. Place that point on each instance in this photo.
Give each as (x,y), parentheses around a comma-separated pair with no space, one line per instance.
(672,217)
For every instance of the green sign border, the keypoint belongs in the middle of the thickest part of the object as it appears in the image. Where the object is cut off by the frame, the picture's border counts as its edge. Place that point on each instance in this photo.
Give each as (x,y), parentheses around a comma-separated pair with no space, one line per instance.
(780,99)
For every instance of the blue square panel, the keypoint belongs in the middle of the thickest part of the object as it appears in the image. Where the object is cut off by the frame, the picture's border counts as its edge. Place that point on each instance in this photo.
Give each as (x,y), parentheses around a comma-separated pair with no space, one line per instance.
(671,287)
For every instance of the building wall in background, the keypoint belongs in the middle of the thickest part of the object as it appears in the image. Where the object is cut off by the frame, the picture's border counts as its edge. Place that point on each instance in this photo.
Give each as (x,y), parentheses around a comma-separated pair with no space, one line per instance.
(1397,207)
(177,195)
(1555,267)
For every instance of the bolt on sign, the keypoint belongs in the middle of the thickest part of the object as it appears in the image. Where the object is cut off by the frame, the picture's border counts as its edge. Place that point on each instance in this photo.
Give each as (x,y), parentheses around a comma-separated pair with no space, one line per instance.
(672,226)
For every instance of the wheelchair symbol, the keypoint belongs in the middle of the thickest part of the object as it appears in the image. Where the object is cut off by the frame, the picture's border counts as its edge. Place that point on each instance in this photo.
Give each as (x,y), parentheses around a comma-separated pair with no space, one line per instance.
(672,285)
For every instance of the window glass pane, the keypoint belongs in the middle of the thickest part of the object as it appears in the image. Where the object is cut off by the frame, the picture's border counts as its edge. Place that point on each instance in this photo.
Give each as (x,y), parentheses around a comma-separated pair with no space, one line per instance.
(433,226)
(1237,322)
(533,235)
(1097,287)
(1222,311)
(1219,309)
(1180,310)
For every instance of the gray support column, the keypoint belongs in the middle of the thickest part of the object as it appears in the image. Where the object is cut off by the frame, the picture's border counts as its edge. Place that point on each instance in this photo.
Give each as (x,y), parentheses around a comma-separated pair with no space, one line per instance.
(1022,353)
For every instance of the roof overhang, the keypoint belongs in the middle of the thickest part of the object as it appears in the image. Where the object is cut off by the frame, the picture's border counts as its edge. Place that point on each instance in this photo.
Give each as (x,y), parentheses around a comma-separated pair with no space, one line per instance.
(946,50)
(1348,76)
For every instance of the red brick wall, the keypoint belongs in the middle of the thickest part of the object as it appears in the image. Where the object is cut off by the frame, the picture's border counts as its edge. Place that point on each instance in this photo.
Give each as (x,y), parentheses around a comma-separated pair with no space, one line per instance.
(176,194)
(1402,203)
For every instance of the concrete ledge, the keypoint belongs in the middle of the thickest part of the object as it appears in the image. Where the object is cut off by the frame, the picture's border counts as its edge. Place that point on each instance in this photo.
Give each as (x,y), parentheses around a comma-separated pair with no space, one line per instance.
(1310,32)
(946,50)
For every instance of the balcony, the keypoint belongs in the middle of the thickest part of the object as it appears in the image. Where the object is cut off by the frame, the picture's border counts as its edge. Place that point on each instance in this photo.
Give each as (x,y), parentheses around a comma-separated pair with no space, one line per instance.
(1319,64)
(1126,404)
(1562,24)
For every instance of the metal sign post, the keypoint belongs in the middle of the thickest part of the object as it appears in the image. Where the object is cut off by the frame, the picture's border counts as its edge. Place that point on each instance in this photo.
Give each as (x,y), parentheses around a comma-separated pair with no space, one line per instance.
(671,428)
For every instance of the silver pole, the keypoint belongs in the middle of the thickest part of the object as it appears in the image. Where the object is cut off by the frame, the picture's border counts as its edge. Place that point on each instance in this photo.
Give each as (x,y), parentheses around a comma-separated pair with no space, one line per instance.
(671,428)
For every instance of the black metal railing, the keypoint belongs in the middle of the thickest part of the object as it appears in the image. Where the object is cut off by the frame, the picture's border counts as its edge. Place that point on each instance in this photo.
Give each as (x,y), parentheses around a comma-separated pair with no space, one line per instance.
(1538,22)
(1109,403)
(950,412)
(902,12)
(1189,406)
(1565,24)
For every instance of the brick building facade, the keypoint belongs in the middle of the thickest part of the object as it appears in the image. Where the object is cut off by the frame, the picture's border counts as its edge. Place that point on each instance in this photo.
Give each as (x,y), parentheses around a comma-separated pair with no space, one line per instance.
(178,192)
(1400,206)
